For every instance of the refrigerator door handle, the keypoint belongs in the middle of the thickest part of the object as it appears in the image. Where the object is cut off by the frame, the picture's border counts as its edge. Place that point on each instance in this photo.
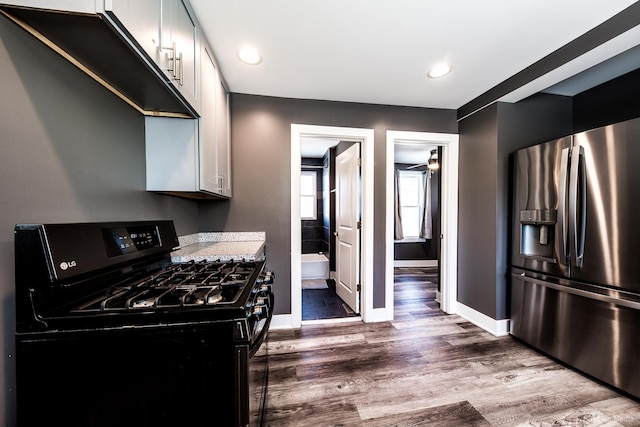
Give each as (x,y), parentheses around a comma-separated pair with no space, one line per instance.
(562,205)
(582,213)
(577,206)
(624,302)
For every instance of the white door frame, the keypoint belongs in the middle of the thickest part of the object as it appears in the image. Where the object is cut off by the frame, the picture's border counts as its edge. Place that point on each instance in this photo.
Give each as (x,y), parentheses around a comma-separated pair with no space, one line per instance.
(448,214)
(365,137)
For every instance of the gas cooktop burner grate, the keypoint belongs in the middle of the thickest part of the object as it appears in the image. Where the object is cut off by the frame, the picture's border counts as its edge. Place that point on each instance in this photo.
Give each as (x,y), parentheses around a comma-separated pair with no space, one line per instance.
(178,286)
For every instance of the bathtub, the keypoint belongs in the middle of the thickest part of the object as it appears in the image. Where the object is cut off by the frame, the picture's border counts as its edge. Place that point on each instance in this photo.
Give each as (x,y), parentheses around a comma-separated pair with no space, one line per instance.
(315,266)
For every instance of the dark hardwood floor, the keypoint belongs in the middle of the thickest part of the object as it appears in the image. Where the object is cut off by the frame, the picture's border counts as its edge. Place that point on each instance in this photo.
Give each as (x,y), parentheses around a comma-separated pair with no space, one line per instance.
(427,368)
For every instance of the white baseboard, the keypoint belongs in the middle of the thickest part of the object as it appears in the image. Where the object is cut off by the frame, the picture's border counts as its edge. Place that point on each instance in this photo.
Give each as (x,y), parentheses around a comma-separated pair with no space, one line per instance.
(281,321)
(415,263)
(285,321)
(379,315)
(332,321)
(499,328)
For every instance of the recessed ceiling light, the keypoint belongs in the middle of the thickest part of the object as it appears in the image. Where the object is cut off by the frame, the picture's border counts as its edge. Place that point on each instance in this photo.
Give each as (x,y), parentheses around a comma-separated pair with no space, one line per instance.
(439,70)
(249,55)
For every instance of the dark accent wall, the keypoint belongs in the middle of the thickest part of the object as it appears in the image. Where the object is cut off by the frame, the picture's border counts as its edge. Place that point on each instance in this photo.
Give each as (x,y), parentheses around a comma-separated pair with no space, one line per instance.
(487,139)
(477,226)
(313,231)
(611,102)
(70,151)
(261,162)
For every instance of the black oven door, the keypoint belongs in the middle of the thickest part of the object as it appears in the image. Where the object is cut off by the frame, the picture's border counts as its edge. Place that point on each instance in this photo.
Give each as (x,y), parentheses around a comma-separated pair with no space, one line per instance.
(258,382)
(258,378)
(167,376)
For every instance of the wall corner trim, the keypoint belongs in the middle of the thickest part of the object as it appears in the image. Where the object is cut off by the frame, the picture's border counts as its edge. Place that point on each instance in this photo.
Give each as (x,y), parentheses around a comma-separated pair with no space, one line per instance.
(498,328)
(281,321)
(384,314)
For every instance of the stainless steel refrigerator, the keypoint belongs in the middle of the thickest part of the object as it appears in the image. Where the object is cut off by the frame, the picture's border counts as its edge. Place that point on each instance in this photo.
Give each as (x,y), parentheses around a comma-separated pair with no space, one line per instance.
(575,277)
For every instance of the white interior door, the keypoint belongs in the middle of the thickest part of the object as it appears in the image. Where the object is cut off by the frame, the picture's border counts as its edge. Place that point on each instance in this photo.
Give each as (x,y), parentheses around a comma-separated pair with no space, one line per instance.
(347,226)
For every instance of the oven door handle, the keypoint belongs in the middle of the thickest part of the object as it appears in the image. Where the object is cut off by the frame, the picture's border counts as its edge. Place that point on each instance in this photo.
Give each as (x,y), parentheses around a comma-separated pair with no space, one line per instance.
(257,342)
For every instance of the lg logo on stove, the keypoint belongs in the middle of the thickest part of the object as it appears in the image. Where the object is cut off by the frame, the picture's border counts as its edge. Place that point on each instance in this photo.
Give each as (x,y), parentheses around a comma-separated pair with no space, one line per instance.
(66,265)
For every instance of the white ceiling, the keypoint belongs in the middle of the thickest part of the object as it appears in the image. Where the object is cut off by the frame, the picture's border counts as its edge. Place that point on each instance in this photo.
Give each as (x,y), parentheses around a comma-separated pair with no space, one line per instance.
(379,51)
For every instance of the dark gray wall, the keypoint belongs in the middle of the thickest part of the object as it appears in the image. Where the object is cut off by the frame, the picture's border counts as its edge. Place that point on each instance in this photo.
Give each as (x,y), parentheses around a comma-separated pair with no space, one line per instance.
(69,151)
(608,103)
(261,135)
(487,140)
(477,226)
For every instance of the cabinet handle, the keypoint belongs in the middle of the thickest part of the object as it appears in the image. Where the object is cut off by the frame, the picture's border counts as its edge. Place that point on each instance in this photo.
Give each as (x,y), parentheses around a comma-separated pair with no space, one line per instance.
(172,59)
(181,79)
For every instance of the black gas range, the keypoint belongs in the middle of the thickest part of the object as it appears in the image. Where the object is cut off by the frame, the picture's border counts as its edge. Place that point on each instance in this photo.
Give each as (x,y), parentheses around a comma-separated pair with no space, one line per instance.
(111,331)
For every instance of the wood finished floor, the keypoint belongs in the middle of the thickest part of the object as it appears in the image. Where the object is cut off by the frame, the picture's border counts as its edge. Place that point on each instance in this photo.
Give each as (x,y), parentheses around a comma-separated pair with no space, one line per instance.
(427,368)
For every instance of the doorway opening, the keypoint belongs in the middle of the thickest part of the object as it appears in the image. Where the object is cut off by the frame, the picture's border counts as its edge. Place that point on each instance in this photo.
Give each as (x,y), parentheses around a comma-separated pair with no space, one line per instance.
(330,196)
(447,145)
(331,136)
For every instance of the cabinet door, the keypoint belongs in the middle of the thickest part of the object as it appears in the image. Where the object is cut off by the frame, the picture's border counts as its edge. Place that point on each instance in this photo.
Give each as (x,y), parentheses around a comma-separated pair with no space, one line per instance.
(183,33)
(141,18)
(179,43)
(223,146)
(79,6)
(209,178)
(172,152)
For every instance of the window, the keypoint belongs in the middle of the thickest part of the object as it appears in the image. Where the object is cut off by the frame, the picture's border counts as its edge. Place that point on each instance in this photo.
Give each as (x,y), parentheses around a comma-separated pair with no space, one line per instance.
(308,194)
(411,189)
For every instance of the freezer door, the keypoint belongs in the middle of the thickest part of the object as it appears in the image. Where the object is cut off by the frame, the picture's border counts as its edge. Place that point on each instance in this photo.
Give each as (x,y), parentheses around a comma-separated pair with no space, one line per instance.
(604,230)
(591,328)
(540,198)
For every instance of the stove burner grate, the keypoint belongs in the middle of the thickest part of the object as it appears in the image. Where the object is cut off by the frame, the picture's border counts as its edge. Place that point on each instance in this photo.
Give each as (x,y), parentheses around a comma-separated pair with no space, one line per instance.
(178,286)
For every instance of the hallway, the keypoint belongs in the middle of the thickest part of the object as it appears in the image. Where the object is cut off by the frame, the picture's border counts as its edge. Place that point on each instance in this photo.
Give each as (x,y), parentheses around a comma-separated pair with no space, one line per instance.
(427,368)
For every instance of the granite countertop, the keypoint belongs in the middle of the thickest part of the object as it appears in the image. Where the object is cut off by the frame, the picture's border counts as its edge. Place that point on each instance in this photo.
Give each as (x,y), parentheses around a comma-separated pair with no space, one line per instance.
(220,246)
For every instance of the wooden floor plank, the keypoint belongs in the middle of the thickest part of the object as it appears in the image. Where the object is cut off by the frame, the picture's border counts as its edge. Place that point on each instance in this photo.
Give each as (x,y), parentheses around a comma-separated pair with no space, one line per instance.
(427,368)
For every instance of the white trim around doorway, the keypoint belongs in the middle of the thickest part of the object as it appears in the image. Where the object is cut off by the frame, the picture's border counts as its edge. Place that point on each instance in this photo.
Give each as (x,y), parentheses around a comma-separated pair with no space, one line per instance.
(365,138)
(449,214)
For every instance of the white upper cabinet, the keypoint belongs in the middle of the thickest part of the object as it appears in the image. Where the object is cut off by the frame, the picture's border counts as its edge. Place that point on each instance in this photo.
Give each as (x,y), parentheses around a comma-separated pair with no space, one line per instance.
(172,155)
(151,54)
(214,128)
(141,18)
(191,158)
(167,32)
(223,138)
(76,6)
(179,48)
(144,51)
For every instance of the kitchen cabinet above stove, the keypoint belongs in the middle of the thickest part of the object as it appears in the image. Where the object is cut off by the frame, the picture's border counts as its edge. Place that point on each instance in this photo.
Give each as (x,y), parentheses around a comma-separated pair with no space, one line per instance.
(192,157)
(144,51)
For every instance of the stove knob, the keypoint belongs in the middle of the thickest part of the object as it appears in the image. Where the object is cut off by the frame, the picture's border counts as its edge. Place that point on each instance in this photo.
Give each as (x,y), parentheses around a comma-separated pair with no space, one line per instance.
(260,311)
(268,277)
(265,289)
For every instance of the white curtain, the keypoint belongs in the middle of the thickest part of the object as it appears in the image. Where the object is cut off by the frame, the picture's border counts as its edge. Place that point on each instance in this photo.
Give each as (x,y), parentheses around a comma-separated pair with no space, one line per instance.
(426,228)
(398,235)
